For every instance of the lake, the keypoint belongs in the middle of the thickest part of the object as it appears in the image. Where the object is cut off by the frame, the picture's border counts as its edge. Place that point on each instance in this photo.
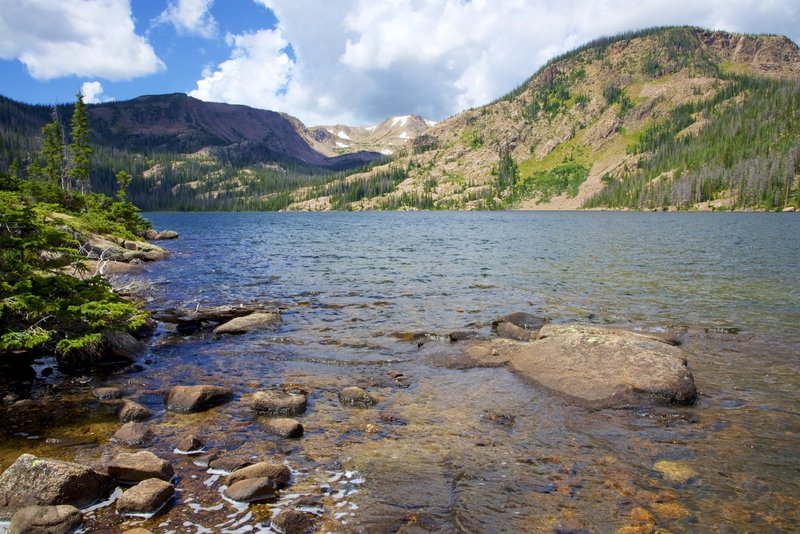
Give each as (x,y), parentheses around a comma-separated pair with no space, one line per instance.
(368,299)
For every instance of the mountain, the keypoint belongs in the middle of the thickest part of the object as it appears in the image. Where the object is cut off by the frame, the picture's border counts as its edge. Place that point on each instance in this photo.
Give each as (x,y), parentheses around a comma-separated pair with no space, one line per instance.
(386,137)
(676,117)
(184,152)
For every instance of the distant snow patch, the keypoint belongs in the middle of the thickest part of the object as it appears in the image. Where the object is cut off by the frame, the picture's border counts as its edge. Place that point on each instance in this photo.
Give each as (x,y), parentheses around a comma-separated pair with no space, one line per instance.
(371,128)
(329,131)
(431,123)
(402,120)
(343,135)
(341,145)
(404,135)
(387,152)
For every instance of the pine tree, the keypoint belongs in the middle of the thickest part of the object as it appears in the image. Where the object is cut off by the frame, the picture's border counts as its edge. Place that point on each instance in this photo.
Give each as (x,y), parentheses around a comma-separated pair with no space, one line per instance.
(80,149)
(53,152)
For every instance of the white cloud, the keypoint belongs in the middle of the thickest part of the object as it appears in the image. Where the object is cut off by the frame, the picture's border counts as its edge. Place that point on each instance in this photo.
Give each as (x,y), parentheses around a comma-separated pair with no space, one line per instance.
(55,38)
(190,16)
(360,61)
(257,73)
(93,93)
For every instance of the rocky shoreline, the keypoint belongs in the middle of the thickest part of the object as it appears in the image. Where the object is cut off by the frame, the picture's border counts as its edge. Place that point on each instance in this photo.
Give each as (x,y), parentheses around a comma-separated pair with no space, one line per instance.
(593,367)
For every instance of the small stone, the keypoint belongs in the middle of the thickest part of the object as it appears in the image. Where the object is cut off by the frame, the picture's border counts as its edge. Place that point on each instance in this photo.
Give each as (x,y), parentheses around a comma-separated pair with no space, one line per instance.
(59,519)
(129,410)
(462,335)
(291,521)
(277,472)
(167,234)
(677,472)
(229,464)
(138,530)
(512,331)
(196,398)
(371,429)
(524,320)
(146,497)
(108,393)
(133,434)
(355,396)
(252,490)
(190,444)
(249,323)
(133,468)
(284,427)
(274,403)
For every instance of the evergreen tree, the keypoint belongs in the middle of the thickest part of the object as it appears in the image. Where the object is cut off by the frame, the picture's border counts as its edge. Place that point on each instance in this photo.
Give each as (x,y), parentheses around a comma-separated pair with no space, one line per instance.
(53,152)
(80,149)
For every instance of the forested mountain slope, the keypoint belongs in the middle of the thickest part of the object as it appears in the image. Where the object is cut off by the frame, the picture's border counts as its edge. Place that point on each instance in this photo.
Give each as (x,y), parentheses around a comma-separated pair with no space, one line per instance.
(661,118)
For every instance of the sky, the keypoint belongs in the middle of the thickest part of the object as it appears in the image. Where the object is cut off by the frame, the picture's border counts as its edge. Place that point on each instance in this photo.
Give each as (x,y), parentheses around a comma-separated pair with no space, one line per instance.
(354,62)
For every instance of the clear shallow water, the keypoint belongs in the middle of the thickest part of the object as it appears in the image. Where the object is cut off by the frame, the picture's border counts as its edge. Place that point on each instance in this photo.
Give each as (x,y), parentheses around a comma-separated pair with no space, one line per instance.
(476,450)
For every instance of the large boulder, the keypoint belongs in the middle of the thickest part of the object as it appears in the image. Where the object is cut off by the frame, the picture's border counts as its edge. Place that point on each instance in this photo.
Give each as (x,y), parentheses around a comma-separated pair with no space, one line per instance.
(146,497)
(278,403)
(249,323)
(42,481)
(58,519)
(196,398)
(132,468)
(597,367)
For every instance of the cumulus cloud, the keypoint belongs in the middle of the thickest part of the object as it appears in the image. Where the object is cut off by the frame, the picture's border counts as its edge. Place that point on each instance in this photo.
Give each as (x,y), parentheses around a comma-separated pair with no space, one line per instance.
(190,16)
(257,74)
(93,93)
(55,38)
(359,61)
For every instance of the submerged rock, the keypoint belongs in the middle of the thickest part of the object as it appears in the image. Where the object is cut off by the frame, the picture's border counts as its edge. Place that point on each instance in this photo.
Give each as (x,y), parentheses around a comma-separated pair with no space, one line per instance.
(133,434)
(674,471)
(60,519)
(133,468)
(275,403)
(284,427)
(249,323)
(42,481)
(355,396)
(277,472)
(290,521)
(597,367)
(196,398)
(146,497)
(252,490)
(129,410)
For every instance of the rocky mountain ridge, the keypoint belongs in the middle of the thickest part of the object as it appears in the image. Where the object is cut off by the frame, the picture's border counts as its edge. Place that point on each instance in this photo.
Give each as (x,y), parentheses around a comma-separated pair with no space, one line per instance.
(573,128)
(386,137)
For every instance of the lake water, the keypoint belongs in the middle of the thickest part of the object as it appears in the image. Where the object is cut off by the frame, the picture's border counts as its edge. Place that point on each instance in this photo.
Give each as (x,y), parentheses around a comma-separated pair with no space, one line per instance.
(477,450)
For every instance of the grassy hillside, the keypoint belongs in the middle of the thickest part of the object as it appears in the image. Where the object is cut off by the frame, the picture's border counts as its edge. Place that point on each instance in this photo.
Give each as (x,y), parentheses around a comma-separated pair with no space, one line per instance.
(662,118)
